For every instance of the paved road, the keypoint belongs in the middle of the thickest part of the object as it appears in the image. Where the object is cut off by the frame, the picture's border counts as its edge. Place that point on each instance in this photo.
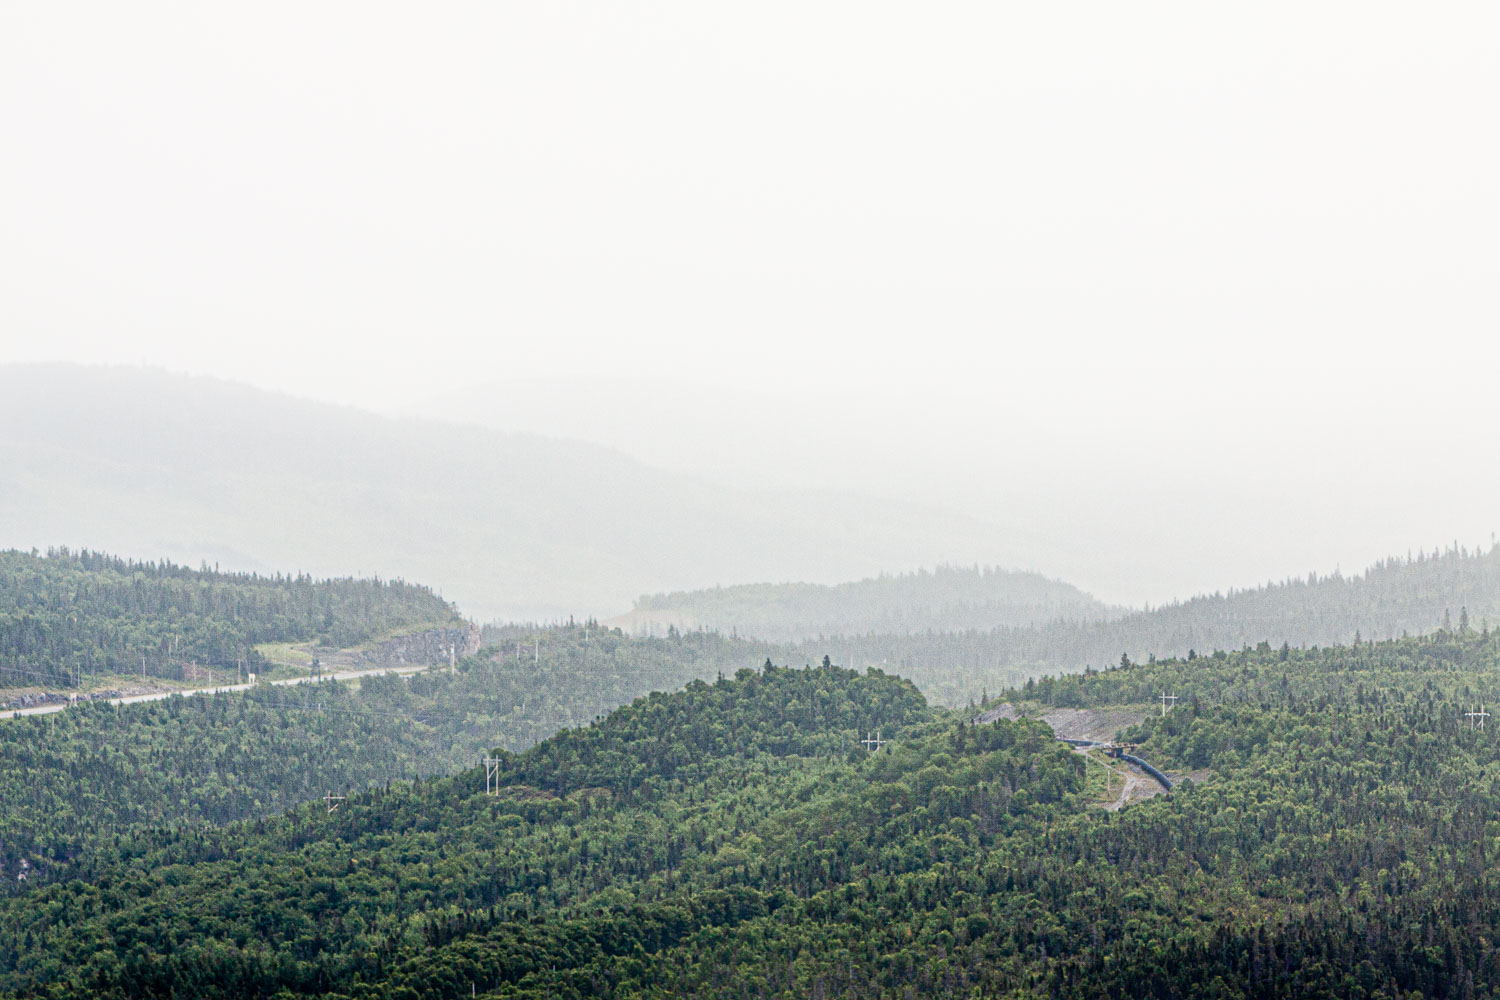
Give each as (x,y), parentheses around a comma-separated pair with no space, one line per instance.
(342,675)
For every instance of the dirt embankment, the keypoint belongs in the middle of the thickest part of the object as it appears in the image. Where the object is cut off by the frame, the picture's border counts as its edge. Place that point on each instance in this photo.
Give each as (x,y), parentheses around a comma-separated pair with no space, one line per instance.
(1005,710)
(1099,724)
(1138,785)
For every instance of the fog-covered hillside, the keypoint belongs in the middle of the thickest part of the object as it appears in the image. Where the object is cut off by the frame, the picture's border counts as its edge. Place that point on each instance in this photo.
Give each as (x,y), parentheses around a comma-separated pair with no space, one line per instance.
(948,598)
(153,465)
(1458,589)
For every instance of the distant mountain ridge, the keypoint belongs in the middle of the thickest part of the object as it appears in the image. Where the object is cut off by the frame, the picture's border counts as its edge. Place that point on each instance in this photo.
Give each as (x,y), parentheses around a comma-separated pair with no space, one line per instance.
(944,599)
(154,465)
(1457,589)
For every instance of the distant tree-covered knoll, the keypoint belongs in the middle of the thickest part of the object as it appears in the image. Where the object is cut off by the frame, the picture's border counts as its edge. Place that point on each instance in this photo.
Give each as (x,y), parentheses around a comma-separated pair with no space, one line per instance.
(66,615)
(946,599)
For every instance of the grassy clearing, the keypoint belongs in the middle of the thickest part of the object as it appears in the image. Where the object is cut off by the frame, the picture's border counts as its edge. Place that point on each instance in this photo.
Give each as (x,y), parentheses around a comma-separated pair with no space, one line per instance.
(286,654)
(286,659)
(1101,781)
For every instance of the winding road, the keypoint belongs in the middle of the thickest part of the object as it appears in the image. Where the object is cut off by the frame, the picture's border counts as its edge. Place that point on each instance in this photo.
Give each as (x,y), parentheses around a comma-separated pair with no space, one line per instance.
(341,675)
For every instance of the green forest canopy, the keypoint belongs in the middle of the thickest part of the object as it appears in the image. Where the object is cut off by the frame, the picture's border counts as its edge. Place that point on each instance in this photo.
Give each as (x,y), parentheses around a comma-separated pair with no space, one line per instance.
(735,839)
(76,779)
(66,615)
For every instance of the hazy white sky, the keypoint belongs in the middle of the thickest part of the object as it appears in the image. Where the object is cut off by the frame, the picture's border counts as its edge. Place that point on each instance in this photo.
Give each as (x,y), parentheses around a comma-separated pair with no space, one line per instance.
(1182,296)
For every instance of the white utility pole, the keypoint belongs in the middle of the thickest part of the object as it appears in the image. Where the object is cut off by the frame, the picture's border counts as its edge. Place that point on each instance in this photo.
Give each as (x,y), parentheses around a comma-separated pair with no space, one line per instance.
(1166,698)
(1476,719)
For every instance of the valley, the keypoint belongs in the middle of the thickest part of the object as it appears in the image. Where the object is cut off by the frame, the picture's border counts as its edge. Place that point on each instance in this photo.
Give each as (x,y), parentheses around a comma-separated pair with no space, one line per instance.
(695,501)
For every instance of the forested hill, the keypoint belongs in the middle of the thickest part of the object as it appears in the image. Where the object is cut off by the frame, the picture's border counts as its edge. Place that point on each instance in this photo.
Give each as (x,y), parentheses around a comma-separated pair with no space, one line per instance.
(945,599)
(67,615)
(1333,839)
(1410,596)
(98,772)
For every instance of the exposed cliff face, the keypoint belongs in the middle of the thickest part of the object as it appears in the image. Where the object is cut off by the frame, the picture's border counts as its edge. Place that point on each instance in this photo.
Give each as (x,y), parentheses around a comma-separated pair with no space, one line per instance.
(420,648)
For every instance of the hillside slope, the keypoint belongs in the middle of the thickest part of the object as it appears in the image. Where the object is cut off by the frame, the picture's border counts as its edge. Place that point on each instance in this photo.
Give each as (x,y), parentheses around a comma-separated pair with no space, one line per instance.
(736,839)
(945,599)
(66,616)
(149,464)
(95,772)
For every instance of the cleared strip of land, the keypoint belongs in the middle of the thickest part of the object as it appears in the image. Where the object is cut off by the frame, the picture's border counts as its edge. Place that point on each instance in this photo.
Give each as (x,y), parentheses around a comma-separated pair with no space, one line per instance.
(342,675)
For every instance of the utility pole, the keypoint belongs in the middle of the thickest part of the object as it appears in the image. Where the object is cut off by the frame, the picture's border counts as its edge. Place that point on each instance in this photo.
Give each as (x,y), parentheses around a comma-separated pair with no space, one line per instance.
(873,744)
(1166,698)
(334,801)
(1476,719)
(536,651)
(450,659)
(492,775)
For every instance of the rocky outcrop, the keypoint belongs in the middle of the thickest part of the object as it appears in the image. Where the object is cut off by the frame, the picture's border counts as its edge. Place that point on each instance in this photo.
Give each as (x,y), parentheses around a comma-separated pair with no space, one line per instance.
(420,648)
(54,698)
(1002,711)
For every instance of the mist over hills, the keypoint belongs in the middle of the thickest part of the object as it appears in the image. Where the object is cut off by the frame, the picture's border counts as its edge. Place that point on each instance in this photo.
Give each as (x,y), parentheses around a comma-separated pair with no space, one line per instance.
(1457,589)
(945,599)
(957,632)
(149,464)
